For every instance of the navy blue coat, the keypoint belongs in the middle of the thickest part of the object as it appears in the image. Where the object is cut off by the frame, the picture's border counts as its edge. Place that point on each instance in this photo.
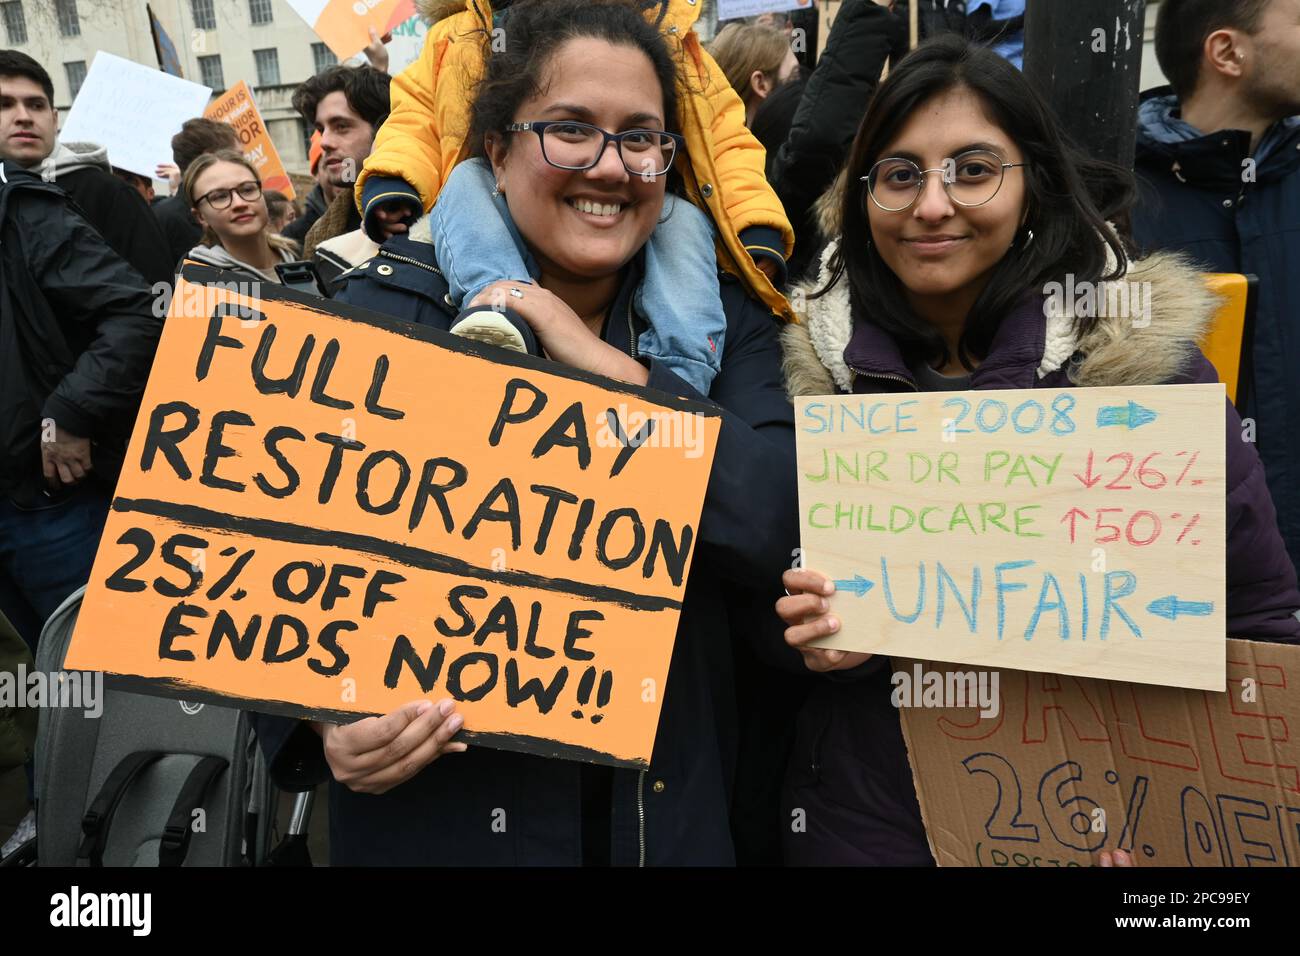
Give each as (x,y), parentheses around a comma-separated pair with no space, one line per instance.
(1196,198)
(677,811)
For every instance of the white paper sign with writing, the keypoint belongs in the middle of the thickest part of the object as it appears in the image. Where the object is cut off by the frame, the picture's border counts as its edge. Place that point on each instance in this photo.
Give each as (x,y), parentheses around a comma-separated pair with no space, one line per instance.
(735,9)
(133,111)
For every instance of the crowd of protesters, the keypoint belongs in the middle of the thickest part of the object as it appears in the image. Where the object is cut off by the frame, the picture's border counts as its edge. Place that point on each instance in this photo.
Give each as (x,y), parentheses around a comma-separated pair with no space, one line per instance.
(739,181)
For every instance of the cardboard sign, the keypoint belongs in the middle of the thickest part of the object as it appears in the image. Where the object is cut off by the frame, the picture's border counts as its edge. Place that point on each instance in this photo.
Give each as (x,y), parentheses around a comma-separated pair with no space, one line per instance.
(1075,531)
(1069,767)
(133,111)
(327,513)
(735,9)
(345,25)
(236,107)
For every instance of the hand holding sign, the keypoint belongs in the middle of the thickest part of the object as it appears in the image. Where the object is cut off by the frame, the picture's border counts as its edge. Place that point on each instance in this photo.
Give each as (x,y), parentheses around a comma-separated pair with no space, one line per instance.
(375,754)
(806,608)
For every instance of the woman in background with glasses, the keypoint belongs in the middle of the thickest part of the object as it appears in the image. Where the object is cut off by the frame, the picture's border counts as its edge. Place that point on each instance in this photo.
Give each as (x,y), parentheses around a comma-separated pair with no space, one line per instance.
(963,203)
(225,196)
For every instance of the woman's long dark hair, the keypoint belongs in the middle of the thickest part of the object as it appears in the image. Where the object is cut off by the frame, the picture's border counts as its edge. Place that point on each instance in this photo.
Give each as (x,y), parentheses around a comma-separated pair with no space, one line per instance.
(1069,200)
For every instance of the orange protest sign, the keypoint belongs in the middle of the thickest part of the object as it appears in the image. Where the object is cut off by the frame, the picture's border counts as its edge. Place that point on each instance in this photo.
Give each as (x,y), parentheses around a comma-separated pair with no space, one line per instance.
(327,513)
(236,107)
(344,25)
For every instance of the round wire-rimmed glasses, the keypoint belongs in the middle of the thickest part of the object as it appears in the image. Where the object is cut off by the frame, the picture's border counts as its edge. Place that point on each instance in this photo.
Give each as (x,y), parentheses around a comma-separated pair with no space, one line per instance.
(221,198)
(971,178)
(568,144)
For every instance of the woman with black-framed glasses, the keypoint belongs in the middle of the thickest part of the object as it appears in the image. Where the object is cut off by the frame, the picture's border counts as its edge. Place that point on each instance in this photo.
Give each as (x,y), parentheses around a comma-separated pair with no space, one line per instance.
(410,787)
(478,243)
(225,196)
(959,209)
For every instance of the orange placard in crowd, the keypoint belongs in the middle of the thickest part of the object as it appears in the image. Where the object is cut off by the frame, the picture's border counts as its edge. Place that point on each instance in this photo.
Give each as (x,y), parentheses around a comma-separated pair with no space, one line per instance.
(344,25)
(326,513)
(236,107)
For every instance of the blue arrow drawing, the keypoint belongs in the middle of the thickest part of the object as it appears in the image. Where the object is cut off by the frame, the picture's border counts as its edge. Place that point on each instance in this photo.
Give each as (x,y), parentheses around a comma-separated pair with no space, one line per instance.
(855,585)
(1171,607)
(1133,415)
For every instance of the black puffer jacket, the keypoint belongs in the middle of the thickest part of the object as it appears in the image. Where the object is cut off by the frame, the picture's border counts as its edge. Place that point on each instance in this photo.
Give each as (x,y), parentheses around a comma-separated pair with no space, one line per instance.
(834,101)
(178,225)
(115,209)
(77,333)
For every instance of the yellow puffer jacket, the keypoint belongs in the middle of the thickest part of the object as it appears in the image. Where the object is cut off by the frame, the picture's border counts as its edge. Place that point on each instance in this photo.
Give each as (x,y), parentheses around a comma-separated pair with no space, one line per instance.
(424,137)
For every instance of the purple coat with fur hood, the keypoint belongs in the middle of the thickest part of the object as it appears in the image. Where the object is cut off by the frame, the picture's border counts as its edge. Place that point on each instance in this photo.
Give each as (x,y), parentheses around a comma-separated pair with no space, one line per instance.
(849,770)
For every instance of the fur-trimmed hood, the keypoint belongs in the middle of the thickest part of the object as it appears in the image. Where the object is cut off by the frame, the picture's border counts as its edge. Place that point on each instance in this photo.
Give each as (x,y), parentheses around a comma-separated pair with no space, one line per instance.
(434,10)
(1120,350)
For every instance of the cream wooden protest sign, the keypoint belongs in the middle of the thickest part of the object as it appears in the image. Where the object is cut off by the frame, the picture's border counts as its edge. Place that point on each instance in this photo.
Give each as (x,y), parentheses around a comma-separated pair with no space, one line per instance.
(1071,531)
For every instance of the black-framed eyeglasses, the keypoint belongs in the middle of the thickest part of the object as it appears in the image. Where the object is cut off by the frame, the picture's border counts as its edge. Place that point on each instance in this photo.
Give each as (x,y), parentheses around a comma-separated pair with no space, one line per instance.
(567,144)
(221,198)
(971,178)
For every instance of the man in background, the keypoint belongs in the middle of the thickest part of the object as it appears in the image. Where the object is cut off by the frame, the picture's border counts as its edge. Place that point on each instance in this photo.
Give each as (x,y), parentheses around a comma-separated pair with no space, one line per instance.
(29,138)
(347,105)
(1218,159)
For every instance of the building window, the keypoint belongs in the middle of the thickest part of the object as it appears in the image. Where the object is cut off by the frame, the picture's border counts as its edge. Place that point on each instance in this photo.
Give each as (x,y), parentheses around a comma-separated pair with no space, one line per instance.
(210,73)
(205,18)
(259,11)
(15,22)
(307,130)
(323,56)
(268,67)
(76,75)
(69,21)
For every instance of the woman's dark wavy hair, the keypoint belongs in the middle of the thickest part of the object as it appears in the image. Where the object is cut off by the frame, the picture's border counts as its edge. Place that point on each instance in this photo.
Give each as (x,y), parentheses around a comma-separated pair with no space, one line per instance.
(1069,200)
(534,29)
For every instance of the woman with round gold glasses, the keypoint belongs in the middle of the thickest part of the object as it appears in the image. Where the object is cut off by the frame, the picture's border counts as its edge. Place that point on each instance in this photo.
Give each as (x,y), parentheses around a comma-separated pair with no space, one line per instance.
(963,205)
(970,179)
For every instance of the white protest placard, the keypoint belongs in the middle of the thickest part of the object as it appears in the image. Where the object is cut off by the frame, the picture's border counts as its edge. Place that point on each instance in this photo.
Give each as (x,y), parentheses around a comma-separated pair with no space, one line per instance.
(735,9)
(406,44)
(1070,531)
(133,111)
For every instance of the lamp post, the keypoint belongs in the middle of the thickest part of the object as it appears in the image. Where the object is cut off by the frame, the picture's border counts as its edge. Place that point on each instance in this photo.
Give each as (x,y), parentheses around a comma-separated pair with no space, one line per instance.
(1085,56)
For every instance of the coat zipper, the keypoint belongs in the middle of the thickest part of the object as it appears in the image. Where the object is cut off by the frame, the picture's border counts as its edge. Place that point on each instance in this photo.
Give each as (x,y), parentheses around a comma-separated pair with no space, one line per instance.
(890,378)
(407,259)
(640,815)
(631,331)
